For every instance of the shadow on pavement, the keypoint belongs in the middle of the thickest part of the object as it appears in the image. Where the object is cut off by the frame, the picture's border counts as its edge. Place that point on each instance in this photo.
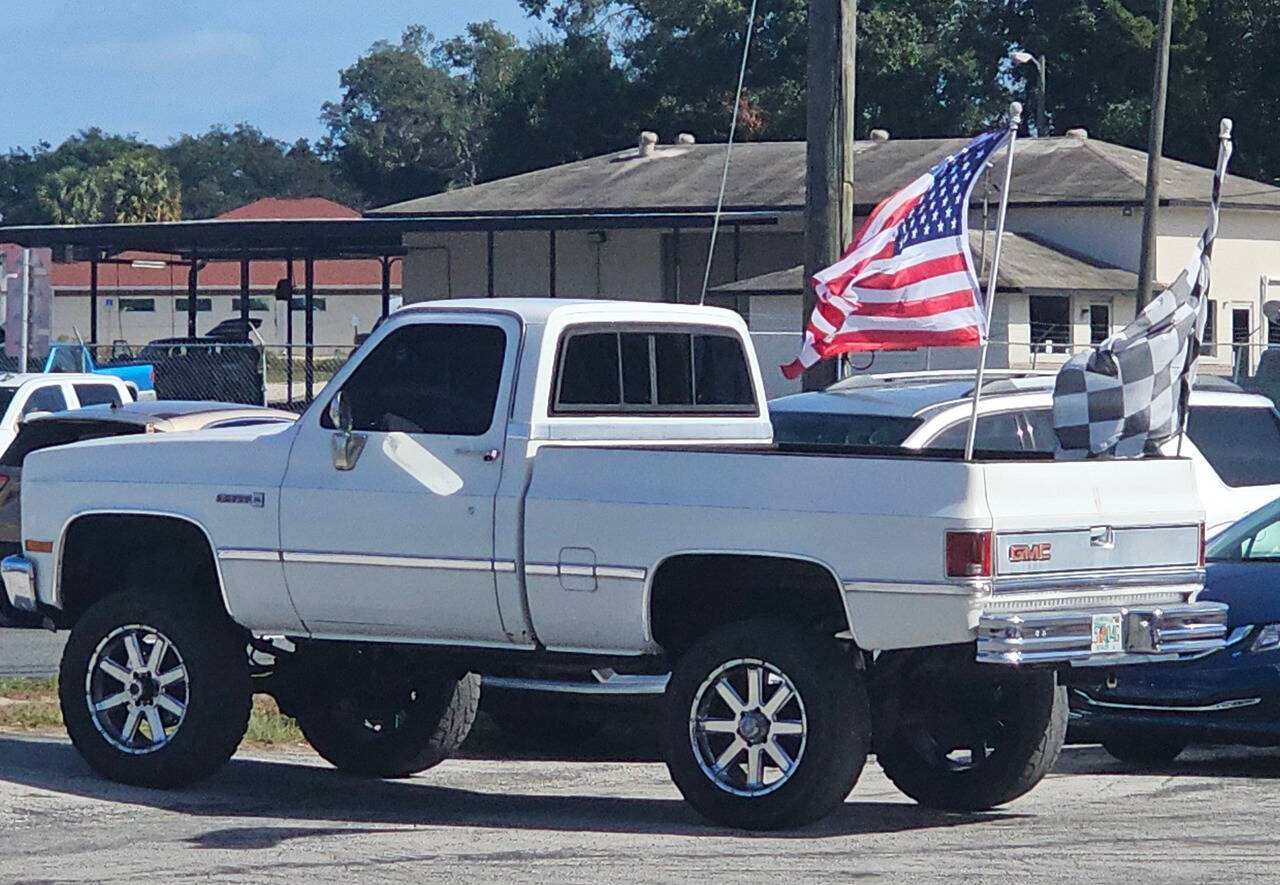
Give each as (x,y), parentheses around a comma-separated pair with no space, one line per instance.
(1201,761)
(286,790)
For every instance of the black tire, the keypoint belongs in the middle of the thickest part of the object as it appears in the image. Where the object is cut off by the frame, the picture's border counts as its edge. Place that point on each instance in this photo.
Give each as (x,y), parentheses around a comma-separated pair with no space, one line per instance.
(393,736)
(832,705)
(214,691)
(1144,748)
(1019,719)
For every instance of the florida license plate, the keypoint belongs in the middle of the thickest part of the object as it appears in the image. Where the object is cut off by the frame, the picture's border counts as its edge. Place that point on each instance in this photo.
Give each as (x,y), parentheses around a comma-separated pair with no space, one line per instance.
(1108,634)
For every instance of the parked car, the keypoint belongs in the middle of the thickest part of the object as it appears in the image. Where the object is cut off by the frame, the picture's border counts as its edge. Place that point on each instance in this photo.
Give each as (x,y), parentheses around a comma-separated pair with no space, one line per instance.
(76,358)
(96,422)
(206,368)
(1233,437)
(591,484)
(234,329)
(24,395)
(1148,714)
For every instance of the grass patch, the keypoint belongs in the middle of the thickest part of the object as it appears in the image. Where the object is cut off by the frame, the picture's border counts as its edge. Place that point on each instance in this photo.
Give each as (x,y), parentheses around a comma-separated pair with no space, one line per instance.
(32,705)
(268,727)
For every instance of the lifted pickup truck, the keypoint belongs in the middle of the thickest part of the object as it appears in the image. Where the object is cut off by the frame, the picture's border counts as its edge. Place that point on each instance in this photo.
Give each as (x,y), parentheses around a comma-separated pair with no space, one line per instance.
(491,484)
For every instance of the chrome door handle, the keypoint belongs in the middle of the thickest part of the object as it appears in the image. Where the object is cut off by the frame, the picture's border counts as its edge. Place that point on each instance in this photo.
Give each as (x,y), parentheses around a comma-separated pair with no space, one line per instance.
(489,455)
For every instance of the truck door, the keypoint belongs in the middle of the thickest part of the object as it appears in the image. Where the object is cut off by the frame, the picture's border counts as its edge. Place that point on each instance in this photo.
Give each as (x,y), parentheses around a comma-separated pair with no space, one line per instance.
(388,531)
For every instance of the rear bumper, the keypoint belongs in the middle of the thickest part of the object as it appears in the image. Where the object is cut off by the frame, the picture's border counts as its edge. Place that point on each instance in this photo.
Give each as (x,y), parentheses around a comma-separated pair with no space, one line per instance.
(19,575)
(1036,637)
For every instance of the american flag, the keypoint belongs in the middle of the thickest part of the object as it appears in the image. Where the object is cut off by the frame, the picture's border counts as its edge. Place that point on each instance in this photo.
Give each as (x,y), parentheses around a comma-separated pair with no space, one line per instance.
(907,279)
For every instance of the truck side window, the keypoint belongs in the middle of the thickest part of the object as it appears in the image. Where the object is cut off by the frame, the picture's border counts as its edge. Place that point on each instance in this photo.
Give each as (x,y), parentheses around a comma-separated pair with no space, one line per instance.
(45,399)
(97,394)
(68,359)
(428,378)
(653,371)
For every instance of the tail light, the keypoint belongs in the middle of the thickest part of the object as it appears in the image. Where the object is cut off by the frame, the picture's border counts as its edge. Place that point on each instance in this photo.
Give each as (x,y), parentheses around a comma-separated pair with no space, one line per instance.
(4,481)
(968,554)
(152,373)
(1202,542)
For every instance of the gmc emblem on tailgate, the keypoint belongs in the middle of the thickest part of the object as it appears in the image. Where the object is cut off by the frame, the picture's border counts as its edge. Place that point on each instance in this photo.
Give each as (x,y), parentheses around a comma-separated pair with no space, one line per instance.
(1030,552)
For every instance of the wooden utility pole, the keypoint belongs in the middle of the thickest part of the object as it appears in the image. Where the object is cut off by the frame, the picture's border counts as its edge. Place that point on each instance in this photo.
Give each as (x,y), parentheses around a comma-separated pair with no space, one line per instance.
(1155,147)
(829,152)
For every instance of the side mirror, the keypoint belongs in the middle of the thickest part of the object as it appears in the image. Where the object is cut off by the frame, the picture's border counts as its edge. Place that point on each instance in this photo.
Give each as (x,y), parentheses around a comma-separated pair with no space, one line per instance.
(340,413)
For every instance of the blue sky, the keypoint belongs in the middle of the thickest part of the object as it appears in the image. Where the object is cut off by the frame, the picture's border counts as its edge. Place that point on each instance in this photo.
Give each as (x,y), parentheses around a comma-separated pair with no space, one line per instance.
(158,69)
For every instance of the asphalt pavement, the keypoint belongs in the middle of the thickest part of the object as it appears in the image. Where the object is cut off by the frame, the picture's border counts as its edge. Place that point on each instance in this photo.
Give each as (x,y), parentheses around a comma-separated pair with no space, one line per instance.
(285,817)
(30,652)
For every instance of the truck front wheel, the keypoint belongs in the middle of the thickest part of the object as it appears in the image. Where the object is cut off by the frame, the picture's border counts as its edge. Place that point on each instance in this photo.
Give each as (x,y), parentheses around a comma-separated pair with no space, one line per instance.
(154,689)
(765,725)
(973,744)
(392,732)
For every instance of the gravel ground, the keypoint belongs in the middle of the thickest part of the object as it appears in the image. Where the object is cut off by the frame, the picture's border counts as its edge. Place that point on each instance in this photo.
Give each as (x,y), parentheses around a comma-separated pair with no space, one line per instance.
(283,816)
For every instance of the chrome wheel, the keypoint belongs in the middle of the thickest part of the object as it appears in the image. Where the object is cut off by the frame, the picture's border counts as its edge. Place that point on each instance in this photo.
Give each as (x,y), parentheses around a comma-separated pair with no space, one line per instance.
(136,689)
(748,727)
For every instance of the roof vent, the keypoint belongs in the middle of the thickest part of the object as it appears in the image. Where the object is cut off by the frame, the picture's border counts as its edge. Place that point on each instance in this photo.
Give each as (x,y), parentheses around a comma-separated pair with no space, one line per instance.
(686,138)
(879,134)
(1082,134)
(648,143)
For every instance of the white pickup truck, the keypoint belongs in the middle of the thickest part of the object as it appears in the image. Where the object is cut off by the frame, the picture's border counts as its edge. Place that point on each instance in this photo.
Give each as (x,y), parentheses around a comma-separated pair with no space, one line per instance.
(527,483)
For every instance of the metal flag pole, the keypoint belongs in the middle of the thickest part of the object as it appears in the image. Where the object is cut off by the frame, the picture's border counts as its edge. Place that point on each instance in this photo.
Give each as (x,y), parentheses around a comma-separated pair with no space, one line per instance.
(1206,254)
(1015,120)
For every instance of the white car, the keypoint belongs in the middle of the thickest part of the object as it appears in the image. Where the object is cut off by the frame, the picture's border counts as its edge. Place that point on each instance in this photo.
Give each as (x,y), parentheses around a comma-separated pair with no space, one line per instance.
(563,484)
(23,395)
(1233,438)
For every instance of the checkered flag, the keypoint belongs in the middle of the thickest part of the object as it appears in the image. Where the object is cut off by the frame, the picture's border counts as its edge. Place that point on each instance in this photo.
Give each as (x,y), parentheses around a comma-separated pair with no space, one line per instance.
(1130,394)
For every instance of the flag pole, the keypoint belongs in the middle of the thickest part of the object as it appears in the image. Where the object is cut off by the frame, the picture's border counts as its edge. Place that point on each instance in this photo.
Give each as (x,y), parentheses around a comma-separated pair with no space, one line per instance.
(1015,120)
(1211,233)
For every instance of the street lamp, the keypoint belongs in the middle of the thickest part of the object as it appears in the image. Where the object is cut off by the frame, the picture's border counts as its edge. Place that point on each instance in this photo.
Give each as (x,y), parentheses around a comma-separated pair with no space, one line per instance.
(1020,57)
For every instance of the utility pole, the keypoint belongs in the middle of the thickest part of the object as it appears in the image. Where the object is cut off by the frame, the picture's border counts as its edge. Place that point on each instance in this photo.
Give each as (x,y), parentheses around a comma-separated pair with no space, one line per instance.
(1155,147)
(828,153)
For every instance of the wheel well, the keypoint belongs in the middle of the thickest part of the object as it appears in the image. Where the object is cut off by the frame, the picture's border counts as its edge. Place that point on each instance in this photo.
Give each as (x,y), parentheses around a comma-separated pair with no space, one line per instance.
(107,553)
(693,594)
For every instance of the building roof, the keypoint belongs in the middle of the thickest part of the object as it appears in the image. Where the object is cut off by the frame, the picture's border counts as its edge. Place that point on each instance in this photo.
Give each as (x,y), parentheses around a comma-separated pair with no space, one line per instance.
(263,274)
(769,176)
(1027,263)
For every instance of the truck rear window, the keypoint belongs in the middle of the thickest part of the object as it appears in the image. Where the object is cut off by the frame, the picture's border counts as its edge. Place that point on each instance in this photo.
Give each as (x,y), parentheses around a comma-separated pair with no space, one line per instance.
(604,372)
(1241,445)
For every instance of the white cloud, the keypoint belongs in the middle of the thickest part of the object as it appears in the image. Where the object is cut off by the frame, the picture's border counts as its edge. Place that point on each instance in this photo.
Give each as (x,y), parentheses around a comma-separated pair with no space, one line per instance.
(171,49)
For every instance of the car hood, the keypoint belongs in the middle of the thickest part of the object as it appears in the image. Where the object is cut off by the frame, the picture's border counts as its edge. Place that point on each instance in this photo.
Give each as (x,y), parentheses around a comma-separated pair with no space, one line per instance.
(242,455)
(1250,589)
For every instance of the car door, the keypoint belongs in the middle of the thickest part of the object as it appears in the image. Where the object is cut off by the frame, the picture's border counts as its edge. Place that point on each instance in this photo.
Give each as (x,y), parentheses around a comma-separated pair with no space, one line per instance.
(397,541)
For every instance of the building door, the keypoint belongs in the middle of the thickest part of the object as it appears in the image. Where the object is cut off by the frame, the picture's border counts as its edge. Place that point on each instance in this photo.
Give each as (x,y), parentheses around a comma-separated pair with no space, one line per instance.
(1099,322)
(1242,328)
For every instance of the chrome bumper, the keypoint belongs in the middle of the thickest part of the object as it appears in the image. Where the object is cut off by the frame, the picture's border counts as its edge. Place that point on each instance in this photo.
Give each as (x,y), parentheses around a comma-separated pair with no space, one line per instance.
(1034,637)
(19,575)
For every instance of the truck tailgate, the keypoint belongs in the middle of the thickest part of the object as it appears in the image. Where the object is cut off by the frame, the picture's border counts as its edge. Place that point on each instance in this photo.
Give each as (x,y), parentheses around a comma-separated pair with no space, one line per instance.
(1093,516)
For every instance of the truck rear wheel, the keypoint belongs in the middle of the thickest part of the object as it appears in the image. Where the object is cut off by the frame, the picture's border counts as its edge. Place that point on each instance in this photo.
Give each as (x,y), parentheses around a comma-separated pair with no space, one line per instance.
(974,746)
(394,733)
(765,725)
(154,689)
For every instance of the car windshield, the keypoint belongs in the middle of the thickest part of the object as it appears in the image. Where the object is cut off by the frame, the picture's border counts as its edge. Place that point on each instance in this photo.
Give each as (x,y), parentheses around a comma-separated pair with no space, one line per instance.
(826,429)
(1241,445)
(6,397)
(1254,538)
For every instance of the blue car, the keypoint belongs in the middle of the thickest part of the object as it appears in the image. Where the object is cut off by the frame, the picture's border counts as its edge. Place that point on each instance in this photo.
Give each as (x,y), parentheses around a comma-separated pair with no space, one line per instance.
(1147,714)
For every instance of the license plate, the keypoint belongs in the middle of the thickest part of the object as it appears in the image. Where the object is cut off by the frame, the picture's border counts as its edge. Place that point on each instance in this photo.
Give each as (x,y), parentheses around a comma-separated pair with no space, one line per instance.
(1108,634)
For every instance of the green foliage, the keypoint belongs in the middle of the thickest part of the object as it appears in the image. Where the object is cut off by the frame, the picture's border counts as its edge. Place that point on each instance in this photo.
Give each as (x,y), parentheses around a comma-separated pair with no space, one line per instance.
(223,168)
(131,186)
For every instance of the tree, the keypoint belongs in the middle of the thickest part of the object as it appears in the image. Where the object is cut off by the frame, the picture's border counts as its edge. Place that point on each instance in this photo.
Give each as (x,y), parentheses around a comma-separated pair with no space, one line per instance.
(72,195)
(140,186)
(403,125)
(566,100)
(223,168)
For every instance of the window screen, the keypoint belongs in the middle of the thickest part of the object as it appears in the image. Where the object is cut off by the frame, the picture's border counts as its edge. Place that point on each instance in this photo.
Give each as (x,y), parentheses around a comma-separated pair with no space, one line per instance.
(658,371)
(430,378)
(97,394)
(1241,445)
